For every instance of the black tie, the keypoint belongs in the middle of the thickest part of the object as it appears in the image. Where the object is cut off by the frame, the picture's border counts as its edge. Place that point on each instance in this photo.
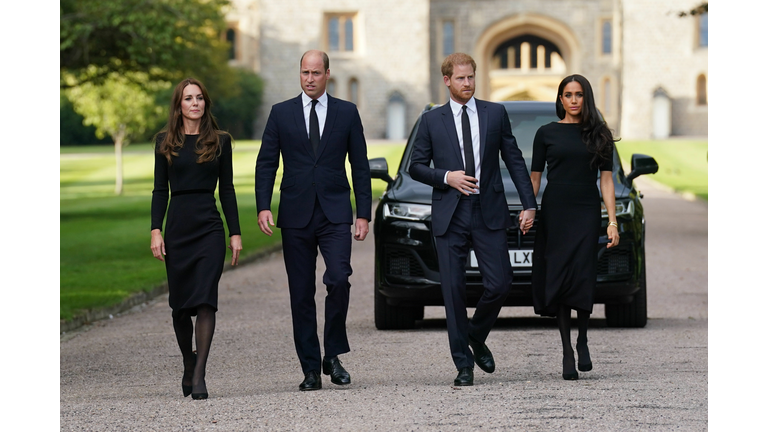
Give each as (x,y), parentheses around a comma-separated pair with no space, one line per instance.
(469,154)
(314,127)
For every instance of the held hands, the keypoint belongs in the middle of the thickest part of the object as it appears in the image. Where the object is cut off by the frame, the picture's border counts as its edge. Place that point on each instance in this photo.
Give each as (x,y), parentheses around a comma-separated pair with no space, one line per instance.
(361,229)
(525,219)
(265,220)
(157,244)
(463,183)
(613,236)
(235,245)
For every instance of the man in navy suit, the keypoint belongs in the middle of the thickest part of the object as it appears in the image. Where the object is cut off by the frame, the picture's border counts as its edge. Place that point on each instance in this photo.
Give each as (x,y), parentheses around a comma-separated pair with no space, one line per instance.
(463,139)
(315,133)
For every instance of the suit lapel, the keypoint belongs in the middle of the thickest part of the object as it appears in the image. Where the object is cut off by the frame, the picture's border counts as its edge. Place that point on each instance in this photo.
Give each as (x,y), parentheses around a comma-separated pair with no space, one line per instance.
(482,119)
(450,129)
(330,118)
(298,116)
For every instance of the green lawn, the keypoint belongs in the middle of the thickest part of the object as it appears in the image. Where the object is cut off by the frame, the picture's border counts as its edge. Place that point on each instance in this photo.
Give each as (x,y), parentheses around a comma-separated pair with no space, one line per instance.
(104,242)
(682,163)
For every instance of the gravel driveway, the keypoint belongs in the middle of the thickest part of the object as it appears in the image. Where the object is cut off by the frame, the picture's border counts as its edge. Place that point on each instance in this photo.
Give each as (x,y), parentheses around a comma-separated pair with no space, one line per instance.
(125,373)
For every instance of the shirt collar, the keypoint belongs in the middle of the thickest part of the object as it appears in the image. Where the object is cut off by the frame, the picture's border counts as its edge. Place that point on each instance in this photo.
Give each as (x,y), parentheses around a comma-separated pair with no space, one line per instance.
(456,107)
(322,100)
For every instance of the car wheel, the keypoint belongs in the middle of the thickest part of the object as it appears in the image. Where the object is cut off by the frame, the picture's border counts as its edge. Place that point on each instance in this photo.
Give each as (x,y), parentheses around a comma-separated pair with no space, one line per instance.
(388,317)
(633,314)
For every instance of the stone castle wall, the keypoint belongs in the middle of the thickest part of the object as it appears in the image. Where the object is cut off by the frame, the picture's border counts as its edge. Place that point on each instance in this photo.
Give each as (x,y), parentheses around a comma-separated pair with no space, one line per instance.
(398,51)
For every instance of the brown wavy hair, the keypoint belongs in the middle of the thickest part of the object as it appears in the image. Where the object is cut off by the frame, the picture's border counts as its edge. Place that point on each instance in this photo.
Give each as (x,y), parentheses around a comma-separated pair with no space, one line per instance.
(172,135)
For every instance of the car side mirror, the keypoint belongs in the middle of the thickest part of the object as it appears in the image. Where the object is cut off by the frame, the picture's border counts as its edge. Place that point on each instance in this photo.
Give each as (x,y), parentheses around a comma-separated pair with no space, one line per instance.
(642,164)
(380,169)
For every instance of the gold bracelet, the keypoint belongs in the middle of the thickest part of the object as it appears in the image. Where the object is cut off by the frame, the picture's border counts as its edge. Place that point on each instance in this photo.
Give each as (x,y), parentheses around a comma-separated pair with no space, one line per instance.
(613,224)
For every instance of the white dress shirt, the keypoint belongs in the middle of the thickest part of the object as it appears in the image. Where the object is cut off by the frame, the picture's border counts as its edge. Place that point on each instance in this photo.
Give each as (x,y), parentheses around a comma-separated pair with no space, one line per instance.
(321,109)
(474,126)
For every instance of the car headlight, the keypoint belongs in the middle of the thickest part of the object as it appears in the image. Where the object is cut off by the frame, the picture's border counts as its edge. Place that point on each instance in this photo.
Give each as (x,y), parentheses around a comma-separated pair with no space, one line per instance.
(407,211)
(623,208)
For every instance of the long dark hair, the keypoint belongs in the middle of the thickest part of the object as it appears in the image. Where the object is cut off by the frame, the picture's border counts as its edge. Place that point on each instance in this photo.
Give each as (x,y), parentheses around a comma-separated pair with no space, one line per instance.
(594,132)
(207,145)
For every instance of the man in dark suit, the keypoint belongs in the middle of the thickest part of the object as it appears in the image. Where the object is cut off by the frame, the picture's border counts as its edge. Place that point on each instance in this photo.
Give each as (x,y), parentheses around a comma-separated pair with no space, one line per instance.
(463,139)
(315,133)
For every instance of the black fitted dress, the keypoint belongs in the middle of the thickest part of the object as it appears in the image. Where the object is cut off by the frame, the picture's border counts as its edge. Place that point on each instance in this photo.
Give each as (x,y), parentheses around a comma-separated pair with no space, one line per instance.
(195,244)
(566,244)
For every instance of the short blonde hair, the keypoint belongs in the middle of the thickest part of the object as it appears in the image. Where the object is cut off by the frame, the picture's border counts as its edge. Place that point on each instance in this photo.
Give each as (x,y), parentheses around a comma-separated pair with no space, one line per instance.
(454,60)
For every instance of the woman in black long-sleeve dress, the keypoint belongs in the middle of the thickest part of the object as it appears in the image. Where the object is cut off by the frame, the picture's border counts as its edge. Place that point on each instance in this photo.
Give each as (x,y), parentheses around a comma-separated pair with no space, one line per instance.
(192,155)
(565,248)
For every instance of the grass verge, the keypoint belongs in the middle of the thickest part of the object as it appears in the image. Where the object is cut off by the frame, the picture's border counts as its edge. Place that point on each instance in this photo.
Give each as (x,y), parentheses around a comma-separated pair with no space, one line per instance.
(683,164)
(104,239)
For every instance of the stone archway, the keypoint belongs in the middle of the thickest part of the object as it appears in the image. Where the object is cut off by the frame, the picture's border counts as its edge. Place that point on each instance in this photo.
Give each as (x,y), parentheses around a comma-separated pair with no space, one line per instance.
(531,83)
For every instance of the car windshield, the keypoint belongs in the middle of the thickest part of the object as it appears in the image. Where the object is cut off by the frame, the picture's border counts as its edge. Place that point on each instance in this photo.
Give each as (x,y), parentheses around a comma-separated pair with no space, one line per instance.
(524,127)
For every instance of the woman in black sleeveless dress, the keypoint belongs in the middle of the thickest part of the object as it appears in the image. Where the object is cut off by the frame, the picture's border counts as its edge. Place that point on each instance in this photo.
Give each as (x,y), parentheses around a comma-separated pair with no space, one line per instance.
(192,155)
(566,244)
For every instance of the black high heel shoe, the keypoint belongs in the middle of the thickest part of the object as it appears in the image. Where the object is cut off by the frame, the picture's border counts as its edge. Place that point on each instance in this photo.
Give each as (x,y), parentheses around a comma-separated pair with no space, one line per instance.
(585,362)
(569,368)
(187,389)
(202,395)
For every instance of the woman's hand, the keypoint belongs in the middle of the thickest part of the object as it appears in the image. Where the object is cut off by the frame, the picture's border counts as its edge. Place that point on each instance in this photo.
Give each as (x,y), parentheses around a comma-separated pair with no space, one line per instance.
(235,245)
(613,236)
(157,244)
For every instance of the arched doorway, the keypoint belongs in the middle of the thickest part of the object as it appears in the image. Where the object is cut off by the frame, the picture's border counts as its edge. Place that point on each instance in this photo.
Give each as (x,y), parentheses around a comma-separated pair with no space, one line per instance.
(524,57)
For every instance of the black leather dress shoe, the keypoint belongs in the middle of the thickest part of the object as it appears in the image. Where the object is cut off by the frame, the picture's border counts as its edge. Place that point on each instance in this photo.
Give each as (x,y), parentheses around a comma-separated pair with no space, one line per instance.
(466,377)
(332,366)
(311,381)
(483,356)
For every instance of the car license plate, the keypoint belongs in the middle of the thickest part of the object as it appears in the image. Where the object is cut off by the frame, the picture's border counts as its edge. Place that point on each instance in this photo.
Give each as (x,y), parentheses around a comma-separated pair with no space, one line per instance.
(518,258)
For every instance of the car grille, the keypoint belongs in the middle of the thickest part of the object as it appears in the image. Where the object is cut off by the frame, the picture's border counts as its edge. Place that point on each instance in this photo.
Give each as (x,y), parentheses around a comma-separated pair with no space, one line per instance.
(516,239)
(402,262)
(615,261)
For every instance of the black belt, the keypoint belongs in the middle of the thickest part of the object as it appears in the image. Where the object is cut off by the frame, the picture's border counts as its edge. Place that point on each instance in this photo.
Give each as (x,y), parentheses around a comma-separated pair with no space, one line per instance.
(191,191)
(470,196)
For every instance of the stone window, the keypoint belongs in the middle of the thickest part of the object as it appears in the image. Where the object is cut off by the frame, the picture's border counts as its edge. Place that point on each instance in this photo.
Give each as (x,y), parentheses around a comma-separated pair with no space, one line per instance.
(340,32)
(703,30)
(231,37)
(448,38)
(701,90)
(330,87)
(354,91)
(606,37)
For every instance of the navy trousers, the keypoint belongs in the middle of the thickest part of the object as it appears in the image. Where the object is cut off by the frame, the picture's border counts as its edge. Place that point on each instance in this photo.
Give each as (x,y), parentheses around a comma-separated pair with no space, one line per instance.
(300,246)
(467,230)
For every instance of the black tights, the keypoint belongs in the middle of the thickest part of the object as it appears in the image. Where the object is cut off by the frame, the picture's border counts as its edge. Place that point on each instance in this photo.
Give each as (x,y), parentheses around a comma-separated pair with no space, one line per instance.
(564,323)
(194,370)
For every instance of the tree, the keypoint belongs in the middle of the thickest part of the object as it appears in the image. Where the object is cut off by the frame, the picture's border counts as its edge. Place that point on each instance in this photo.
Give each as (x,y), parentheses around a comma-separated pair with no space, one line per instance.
(698,10)
(121,106)
(166,39)
(236,114)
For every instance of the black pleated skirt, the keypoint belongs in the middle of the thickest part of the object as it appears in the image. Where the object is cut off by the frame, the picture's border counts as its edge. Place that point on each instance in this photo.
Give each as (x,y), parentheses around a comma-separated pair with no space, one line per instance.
(565,248)
(195,251)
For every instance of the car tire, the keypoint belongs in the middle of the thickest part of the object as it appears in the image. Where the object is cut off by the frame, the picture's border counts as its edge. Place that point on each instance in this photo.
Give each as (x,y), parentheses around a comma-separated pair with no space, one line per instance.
(388,317)
(633,314)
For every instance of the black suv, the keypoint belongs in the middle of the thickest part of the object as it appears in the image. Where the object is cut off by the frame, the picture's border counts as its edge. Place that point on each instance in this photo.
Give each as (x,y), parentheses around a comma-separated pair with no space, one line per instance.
(407,276)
